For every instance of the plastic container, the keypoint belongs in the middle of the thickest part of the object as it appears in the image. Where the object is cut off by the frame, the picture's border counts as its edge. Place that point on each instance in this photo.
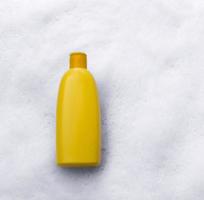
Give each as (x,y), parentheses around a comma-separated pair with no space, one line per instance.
(78,128)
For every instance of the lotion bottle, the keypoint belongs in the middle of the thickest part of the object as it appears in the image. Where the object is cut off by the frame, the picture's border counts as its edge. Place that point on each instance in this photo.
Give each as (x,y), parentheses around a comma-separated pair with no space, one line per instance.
(78,126)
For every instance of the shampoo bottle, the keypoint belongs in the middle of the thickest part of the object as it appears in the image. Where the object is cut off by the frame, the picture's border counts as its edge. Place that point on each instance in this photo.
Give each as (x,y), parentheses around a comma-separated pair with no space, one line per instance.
(78,131)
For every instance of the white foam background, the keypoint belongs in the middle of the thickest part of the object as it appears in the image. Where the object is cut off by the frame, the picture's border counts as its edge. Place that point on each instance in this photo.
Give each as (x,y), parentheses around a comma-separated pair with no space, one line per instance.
(148,60)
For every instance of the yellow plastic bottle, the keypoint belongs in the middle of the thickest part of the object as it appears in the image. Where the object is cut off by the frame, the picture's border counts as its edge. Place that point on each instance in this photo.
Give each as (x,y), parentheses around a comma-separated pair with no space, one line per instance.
(78,131)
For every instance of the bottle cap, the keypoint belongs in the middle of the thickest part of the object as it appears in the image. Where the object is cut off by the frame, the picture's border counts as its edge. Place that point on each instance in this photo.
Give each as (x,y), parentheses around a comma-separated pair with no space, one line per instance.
(78,60)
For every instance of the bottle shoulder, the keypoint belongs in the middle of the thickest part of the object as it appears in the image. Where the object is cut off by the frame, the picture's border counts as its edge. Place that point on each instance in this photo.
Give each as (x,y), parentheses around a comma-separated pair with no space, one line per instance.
(78,73)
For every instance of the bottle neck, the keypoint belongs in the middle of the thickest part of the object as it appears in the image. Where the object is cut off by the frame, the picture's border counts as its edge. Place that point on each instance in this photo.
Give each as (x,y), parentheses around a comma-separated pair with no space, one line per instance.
(78,60)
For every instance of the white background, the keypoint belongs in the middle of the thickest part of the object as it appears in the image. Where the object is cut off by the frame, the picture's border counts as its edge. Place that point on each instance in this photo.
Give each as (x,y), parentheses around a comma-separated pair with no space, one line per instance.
(147,57)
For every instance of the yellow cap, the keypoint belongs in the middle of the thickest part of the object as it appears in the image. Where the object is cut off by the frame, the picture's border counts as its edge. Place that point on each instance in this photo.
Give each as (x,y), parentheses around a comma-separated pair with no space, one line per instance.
(78,60)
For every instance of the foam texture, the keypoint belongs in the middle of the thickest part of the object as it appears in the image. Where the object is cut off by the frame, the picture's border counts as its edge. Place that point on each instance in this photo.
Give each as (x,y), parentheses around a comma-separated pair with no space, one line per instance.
(148,60)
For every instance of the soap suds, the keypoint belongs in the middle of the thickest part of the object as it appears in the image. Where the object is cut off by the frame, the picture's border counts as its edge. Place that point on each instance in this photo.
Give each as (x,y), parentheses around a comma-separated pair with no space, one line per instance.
(147,59)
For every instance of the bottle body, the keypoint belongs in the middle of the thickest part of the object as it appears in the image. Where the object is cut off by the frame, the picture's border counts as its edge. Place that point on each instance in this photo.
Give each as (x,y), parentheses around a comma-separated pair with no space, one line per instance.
(78,138)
